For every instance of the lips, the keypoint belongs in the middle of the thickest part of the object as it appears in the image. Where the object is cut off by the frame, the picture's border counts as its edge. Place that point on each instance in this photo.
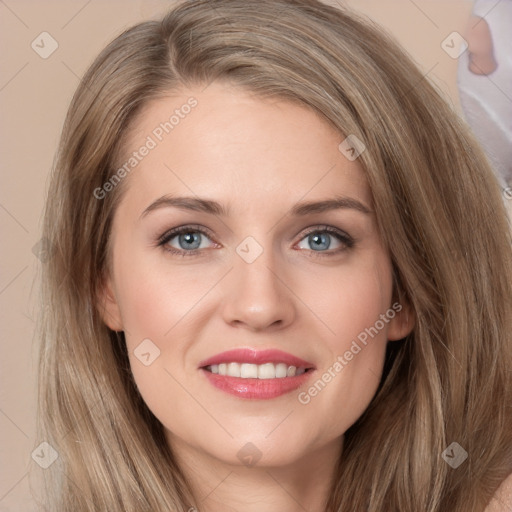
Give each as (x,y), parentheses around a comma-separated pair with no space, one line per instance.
(256,374)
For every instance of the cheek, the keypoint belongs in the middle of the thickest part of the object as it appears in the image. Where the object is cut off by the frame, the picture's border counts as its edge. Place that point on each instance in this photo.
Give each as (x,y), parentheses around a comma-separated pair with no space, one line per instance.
(159,313)
(154,313)
(354,303)
(154,301)
(358,324)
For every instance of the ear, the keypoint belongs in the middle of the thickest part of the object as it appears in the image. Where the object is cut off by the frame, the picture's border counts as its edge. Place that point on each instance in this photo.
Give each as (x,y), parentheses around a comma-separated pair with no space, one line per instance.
(403,322)
(108,306)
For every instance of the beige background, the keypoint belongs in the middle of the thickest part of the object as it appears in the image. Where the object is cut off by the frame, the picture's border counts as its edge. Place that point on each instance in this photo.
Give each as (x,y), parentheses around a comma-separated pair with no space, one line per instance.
(34,95)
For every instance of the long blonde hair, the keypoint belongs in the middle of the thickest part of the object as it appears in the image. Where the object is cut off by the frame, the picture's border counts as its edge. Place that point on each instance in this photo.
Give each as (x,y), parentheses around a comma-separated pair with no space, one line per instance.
(439,211)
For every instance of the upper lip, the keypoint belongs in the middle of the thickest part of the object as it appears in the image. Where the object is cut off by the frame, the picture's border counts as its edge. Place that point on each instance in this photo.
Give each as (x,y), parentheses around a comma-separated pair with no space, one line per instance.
(248,355)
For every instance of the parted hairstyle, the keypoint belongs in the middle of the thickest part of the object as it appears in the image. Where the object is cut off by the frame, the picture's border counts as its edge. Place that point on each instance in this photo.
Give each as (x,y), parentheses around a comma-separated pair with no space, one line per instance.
(439,212)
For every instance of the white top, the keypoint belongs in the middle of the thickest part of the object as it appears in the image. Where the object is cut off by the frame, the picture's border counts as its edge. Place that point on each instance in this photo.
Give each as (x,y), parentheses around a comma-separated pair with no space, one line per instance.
(486,100)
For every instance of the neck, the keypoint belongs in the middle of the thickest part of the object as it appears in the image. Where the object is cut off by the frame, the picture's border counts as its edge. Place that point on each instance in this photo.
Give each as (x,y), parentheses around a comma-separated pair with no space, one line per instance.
(220,486)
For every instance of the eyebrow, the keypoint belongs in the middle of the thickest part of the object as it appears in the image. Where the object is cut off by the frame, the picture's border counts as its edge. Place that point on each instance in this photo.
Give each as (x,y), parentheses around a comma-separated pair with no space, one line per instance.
(214,208)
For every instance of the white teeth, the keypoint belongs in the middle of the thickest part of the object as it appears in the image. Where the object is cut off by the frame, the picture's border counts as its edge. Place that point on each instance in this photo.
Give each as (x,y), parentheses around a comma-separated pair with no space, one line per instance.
(233,370)
(256,371)
(249,371)
(291,371)
(266,371)
(281,370)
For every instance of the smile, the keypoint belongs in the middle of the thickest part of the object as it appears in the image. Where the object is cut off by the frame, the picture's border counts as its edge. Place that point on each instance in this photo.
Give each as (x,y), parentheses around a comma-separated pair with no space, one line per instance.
(256,374)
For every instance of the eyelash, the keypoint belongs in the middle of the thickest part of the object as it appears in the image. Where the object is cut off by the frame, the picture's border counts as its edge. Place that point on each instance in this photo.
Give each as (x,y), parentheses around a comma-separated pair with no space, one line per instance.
(345,239)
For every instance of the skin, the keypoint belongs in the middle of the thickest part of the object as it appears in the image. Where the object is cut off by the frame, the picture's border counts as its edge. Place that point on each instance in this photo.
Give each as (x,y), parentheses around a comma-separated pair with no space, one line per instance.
(480,47)
(259,157)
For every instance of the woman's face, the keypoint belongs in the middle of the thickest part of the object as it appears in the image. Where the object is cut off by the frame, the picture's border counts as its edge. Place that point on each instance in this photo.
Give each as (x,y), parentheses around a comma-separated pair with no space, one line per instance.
(254,288)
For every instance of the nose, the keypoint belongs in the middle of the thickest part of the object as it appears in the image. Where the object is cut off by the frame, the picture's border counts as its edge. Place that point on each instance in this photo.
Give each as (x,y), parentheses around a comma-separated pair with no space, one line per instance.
(257,295)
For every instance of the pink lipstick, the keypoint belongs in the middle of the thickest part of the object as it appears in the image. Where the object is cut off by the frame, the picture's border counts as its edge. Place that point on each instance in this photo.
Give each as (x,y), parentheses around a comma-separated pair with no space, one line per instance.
(256,374)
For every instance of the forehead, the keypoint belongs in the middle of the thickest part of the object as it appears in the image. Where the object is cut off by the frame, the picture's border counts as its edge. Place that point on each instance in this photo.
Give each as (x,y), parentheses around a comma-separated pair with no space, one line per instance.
(229,144)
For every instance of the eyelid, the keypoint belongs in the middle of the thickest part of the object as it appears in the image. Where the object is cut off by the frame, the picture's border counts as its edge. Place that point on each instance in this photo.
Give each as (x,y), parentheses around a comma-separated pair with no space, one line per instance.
(171,233)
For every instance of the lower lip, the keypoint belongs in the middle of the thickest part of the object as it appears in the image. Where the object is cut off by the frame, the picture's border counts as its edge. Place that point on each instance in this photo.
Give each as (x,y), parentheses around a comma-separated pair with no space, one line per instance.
(256,388)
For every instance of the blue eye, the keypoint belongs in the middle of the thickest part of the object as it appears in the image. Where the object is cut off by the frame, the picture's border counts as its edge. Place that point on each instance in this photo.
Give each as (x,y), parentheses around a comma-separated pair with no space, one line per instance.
(321,239)
(189,240)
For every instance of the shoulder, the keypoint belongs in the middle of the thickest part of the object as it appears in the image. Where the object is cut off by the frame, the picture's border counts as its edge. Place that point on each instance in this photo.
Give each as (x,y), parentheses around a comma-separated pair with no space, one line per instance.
(502,499)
